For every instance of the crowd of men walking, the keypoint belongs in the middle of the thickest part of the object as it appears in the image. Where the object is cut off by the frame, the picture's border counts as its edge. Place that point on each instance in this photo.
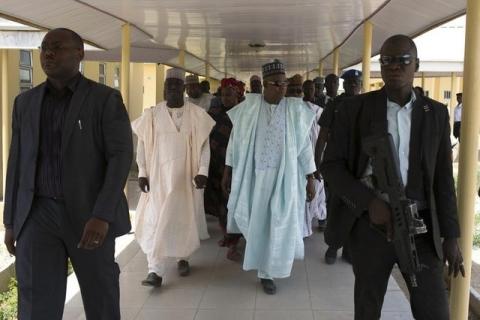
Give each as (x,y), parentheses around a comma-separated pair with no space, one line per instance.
(267,163)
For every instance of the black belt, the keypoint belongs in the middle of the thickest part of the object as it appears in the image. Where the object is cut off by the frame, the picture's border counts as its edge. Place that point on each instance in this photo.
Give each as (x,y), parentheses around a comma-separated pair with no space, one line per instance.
(61,199)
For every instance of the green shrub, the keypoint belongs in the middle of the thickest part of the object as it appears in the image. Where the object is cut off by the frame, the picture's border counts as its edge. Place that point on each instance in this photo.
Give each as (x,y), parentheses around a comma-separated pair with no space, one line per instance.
(69,268)
(476,240)
(8,302)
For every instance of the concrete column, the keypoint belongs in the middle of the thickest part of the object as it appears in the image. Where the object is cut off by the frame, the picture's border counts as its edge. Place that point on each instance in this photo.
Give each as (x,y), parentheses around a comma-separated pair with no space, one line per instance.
(6,118)
(423,80)
(336,60)
(125,65)
(207,71)
(467,184)
(181,58)
(125,74)
(367,54)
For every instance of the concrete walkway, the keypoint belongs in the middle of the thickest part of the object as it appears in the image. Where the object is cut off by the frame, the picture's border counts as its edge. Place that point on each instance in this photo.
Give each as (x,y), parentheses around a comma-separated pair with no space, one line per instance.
(218,289)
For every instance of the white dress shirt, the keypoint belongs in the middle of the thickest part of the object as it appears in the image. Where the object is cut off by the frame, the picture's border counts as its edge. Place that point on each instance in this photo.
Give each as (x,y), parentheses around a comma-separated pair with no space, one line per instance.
(399,126)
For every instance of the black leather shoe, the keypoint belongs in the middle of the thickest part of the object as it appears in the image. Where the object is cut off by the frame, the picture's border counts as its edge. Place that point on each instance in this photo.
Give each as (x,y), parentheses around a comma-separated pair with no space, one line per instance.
(183,268)
(269,286)
(152,280)
(331,255)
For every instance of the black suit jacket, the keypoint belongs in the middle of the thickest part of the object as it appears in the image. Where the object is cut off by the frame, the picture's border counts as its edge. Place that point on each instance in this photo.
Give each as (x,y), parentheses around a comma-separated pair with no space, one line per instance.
(430,158)
(97,154)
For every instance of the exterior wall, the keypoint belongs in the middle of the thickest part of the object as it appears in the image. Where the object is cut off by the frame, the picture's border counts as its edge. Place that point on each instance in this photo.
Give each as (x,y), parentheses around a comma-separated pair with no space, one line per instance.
(110,74)
(160,79)
(90,70)
(214,84)
(149,85)
(38,74)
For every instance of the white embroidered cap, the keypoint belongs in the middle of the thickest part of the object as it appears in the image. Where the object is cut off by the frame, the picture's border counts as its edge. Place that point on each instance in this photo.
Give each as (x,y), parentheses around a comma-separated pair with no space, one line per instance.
(175,73)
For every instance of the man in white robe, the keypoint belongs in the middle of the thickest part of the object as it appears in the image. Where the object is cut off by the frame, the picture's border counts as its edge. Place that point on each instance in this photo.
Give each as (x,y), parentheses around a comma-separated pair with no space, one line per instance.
(269,162)
(317,208)
(196,94)
(173,156)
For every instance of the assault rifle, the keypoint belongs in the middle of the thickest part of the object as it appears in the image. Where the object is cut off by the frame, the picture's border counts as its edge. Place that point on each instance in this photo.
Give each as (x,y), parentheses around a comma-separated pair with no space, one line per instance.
(406,221)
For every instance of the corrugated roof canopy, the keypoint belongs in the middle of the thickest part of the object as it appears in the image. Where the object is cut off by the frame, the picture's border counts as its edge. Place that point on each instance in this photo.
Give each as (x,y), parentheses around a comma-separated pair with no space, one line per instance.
(300,33)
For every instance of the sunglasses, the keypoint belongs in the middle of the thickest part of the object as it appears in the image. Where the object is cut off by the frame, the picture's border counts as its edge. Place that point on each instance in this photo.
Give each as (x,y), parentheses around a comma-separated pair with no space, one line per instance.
(405,60)
(277,83)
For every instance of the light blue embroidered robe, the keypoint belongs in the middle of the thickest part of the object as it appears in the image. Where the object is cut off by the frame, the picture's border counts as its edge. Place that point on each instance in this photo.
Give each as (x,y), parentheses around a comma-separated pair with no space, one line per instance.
(267,199)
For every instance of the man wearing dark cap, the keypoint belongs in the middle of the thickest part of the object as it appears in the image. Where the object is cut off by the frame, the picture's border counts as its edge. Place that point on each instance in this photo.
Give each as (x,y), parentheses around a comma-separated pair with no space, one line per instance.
(269,162)
(294,88)
(420,133)
(352,82)
(255,84)
(319,99)
(205,85)
(336,234)
(331,87)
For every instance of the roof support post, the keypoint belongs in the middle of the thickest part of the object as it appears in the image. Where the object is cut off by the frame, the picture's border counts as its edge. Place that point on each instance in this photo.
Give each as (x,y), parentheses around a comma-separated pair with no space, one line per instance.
(320,68)
(207,71)
(336,60)
(460,290)
(125,65)
(6,117)
(367,54)
(181,58)
(125,73)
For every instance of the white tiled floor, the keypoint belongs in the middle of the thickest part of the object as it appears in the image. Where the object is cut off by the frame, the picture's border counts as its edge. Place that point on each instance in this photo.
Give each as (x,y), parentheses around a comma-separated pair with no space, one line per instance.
(219,289)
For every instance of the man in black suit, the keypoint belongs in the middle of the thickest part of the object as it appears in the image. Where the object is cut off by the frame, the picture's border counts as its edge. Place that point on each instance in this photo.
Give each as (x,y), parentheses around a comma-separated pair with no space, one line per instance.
(421,133)
(69,160)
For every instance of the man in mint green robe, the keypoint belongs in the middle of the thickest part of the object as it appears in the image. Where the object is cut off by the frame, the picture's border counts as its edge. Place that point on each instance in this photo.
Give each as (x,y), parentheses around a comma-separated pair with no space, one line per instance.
(270,162)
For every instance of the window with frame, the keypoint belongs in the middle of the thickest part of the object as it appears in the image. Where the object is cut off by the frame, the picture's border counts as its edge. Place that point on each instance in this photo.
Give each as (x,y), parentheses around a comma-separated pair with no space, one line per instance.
(447,94)
(102,73)
(25,70)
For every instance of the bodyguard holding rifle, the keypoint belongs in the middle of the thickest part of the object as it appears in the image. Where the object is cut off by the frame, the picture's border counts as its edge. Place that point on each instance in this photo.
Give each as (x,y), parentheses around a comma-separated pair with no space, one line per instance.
(421,142)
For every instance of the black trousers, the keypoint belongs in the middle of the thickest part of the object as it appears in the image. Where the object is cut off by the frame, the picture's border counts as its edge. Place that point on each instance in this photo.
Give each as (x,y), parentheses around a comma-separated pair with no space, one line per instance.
(340,222)
(45,243)
(373,259)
